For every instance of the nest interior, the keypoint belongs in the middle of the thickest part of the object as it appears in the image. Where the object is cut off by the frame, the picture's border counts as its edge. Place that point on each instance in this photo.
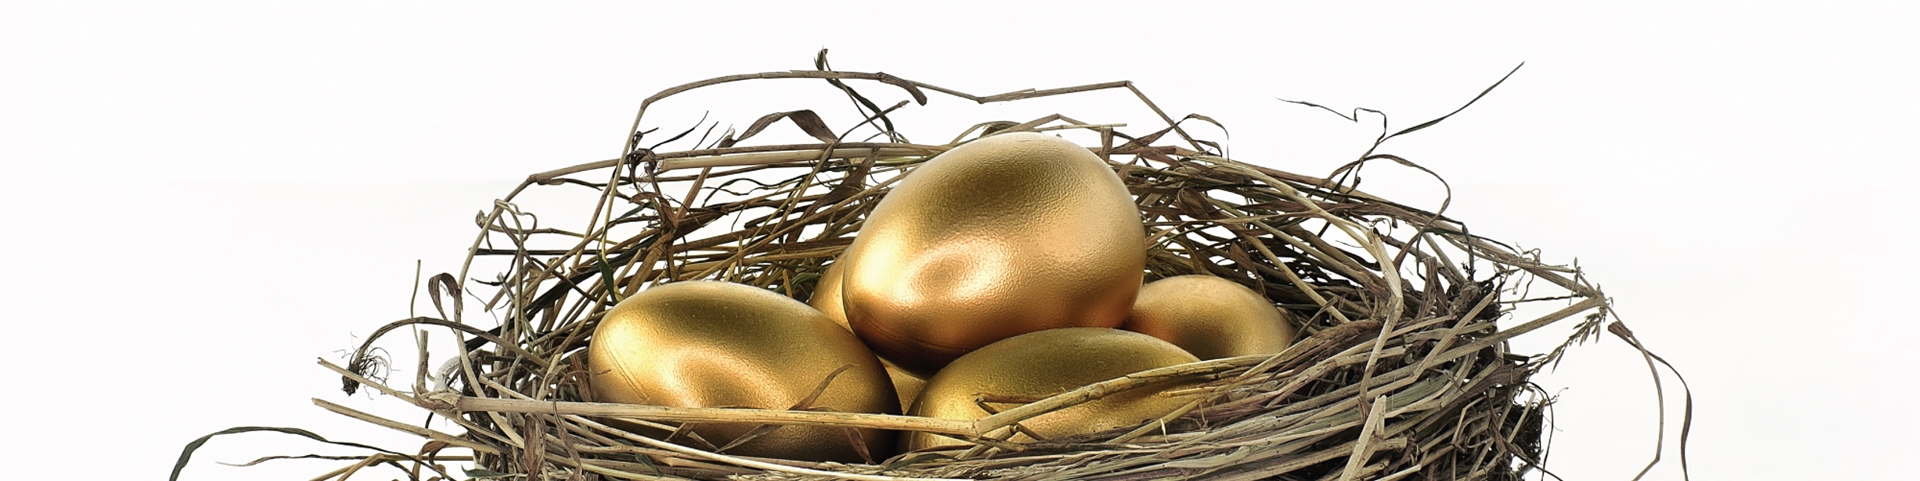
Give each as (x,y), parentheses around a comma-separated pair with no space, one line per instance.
(1402,371)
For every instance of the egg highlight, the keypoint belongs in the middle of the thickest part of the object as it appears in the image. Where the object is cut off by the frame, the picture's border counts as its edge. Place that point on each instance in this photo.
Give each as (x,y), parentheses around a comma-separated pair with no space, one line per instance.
(1044,363)
(1001,236)
(716,344)
(1210,317)
(826,298)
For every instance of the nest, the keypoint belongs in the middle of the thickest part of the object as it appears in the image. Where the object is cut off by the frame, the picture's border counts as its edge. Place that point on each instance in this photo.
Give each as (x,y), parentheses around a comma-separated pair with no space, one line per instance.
(1401,373)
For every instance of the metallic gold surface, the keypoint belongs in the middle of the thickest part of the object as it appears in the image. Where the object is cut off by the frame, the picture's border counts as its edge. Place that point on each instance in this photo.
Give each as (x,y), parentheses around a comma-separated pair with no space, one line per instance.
(1044,363)
(1210,317)
(998,237)
(906,385)
(826,298)
(717,344)
(826,295)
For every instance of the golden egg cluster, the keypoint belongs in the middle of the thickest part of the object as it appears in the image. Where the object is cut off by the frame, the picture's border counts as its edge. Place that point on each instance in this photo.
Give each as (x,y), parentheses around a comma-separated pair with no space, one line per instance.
(1005,270)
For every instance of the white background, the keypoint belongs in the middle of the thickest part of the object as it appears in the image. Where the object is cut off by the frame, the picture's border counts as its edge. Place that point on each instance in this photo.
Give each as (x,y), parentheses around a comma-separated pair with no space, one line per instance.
(202,198)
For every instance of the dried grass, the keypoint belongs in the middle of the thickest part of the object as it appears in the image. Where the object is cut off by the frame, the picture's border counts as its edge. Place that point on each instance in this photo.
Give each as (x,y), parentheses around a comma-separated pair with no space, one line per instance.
(1404,373)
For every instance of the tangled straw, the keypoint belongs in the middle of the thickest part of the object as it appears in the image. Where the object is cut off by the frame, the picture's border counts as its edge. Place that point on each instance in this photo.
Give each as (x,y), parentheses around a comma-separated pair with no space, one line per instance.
(1404,374)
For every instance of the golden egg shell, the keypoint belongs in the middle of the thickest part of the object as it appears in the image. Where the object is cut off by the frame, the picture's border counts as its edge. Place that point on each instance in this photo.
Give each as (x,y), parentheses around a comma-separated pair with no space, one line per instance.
(1210,317)
(1001,236)
(717,344)
(1045,363)
(826,298)
(826,295)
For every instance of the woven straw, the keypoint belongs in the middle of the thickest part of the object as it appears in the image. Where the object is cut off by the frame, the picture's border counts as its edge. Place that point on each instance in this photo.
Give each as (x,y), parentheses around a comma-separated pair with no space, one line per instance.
(1401,373)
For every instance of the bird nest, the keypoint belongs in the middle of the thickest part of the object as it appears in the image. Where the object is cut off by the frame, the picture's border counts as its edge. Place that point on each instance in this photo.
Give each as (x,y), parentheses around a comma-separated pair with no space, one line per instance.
(1402,371)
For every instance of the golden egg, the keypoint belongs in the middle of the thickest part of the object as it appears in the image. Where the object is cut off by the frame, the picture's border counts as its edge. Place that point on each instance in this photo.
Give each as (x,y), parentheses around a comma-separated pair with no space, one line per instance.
(826,298)
(718,344)
(826,295)
(1045,363)
(906,385)
(1210,317)
(998,237)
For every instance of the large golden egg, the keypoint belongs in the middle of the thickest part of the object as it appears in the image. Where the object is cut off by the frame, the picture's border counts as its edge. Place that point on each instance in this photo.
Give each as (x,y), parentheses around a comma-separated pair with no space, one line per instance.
(718,344)
(998,237)
(1210,317)
(1046,363)
(826,298)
